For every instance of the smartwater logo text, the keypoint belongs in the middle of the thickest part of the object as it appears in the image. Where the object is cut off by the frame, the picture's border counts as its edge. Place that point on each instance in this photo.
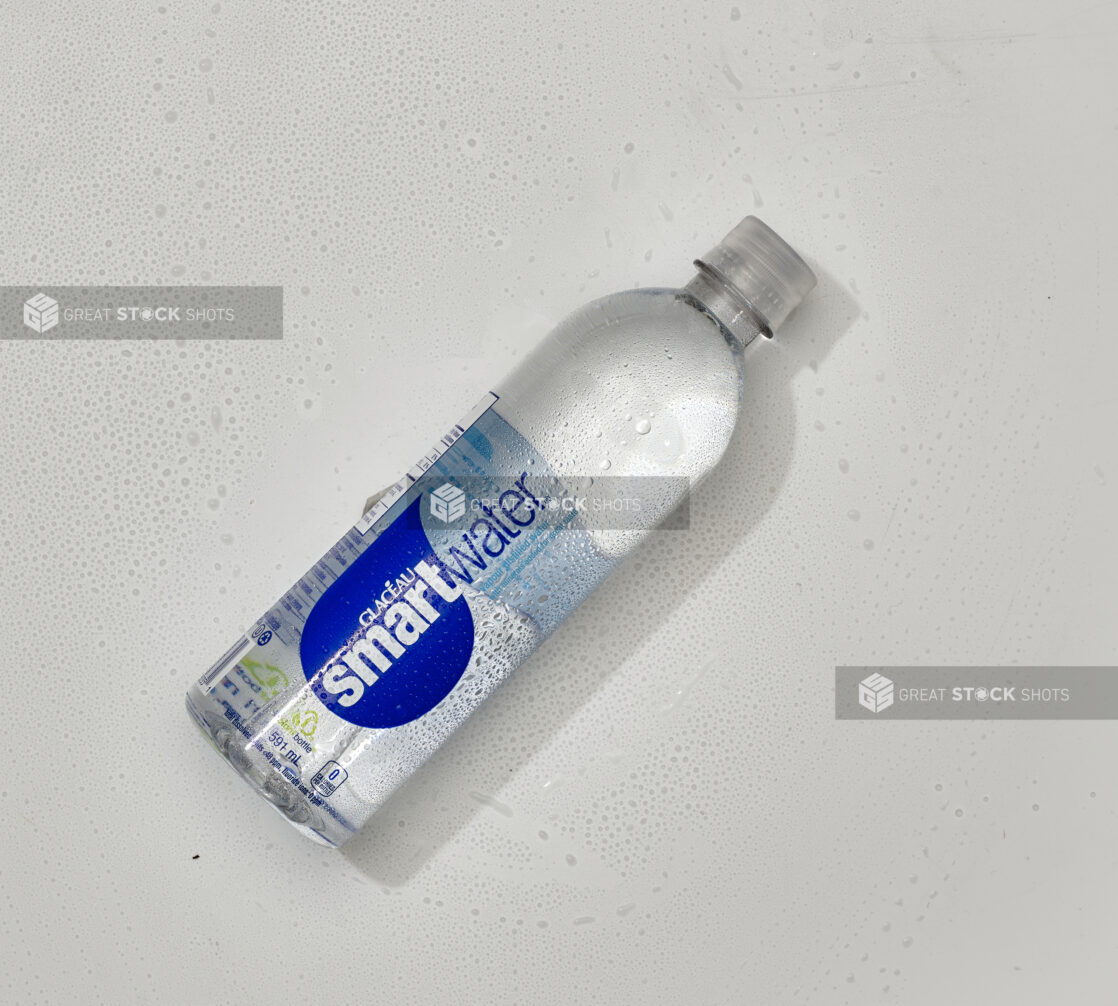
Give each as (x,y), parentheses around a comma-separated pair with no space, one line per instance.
(418,598)
(392,636)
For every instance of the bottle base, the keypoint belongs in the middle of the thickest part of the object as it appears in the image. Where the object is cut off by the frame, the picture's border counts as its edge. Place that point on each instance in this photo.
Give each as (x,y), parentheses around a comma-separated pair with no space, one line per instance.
(282,796)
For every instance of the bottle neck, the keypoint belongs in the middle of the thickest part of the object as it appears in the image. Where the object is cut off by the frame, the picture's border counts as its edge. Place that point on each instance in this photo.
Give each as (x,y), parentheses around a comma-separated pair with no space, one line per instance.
(727,304)
(751,280)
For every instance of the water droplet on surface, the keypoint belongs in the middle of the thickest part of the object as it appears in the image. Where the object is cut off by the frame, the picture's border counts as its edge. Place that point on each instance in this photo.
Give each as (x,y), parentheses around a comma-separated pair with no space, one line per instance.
(643,426)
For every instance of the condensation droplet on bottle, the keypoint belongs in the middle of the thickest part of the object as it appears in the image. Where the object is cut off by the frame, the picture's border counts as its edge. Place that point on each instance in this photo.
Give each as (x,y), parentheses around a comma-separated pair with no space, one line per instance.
(643,426)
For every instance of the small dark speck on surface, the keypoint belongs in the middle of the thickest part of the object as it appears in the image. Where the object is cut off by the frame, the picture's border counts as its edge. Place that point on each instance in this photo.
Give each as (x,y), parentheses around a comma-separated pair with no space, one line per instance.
(195,856)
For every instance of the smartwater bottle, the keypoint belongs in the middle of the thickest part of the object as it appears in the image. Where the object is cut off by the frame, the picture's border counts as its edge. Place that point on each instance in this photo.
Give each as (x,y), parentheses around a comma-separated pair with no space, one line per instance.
(458,572)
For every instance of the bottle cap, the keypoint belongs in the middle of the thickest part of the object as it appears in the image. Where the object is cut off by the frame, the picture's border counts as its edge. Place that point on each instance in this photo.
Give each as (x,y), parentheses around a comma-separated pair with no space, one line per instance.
(759,266)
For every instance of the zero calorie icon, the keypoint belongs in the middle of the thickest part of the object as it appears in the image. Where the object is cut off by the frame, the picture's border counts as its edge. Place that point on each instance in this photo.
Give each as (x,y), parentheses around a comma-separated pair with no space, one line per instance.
(328,778)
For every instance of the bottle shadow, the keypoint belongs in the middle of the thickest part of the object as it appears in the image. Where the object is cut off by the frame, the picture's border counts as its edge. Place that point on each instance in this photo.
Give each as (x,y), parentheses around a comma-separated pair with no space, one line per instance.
(534,703)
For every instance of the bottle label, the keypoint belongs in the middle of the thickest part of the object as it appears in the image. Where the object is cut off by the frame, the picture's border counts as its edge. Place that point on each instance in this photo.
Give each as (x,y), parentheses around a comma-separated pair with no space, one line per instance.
(449,581)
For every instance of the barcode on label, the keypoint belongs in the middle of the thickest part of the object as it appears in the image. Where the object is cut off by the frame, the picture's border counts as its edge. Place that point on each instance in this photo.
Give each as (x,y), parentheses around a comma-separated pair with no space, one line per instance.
(415,473)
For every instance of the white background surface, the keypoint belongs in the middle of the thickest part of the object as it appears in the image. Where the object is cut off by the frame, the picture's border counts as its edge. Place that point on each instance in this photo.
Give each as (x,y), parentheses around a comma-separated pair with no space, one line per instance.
(658,807)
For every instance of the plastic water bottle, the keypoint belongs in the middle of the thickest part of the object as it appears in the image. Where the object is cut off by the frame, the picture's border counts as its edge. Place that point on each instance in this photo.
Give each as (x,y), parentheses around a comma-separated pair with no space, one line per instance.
(459,571)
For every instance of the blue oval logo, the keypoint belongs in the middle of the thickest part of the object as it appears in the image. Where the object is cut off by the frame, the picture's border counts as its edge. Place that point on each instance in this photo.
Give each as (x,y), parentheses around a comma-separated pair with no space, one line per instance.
(392,636)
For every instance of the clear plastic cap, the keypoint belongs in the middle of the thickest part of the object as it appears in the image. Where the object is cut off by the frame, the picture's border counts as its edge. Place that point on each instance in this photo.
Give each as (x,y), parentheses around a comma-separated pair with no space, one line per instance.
(758,265)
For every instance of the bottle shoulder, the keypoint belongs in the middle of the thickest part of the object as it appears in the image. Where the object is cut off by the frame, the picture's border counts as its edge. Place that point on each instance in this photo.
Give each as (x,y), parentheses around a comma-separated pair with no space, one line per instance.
(636,382)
